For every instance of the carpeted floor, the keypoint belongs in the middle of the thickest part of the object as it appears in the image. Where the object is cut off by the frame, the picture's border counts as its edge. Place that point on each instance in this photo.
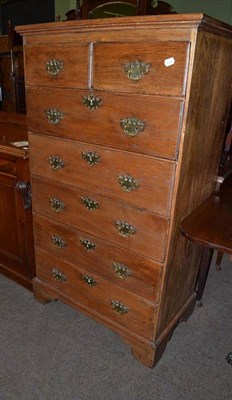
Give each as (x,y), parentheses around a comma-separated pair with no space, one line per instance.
(53,352)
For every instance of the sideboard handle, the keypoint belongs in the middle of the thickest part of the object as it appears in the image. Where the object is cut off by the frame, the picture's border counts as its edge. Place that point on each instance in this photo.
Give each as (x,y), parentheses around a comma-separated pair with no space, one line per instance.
(24,188)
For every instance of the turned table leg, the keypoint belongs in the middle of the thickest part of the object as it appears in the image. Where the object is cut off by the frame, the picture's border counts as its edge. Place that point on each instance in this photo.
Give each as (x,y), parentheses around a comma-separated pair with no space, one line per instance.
(203,273)
(229,358)
(219,260)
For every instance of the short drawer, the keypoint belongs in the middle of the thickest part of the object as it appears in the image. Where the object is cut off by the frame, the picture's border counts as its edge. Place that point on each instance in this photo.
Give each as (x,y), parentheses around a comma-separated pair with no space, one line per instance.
(109,301)
(138,123)
(141,181)
(154,68)
(139,231)
(125,269)
(57,65)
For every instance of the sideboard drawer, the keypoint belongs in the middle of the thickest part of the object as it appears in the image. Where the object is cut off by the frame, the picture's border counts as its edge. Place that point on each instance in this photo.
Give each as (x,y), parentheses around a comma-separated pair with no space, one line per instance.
(136,230)
(137,123)
(56,65)
(154,68)
(110,172)
(111,302)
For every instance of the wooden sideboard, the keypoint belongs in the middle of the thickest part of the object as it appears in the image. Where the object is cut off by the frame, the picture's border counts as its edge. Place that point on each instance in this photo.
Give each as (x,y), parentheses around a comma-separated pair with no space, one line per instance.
(12,85)
(126,124)
(16,233)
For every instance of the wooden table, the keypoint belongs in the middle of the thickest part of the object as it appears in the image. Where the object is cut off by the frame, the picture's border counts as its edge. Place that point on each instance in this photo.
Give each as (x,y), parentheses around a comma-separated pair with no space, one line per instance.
(210,225)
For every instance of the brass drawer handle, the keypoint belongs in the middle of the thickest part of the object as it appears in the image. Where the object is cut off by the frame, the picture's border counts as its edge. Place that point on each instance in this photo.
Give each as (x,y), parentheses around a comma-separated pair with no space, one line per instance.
(135,70)
(56,162)
(132,126)
(91,157)
(58,242)
(59,275)
(92,102)
(54,67)
(119,308)
(89,203)
(87,244)
(54,116)
(56,204)
(125,229)
(89,280)
(121,270)
(128,183)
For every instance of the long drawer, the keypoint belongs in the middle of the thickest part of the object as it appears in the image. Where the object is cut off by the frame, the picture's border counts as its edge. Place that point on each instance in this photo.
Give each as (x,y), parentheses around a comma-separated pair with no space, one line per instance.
(140,181)
(109,301)
(154,68)
(136,230)
(137,123)
(57,65)
(119,266)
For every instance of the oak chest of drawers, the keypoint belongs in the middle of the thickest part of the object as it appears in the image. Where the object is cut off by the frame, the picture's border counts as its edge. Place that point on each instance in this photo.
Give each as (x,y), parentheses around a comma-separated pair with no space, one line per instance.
(126,124)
